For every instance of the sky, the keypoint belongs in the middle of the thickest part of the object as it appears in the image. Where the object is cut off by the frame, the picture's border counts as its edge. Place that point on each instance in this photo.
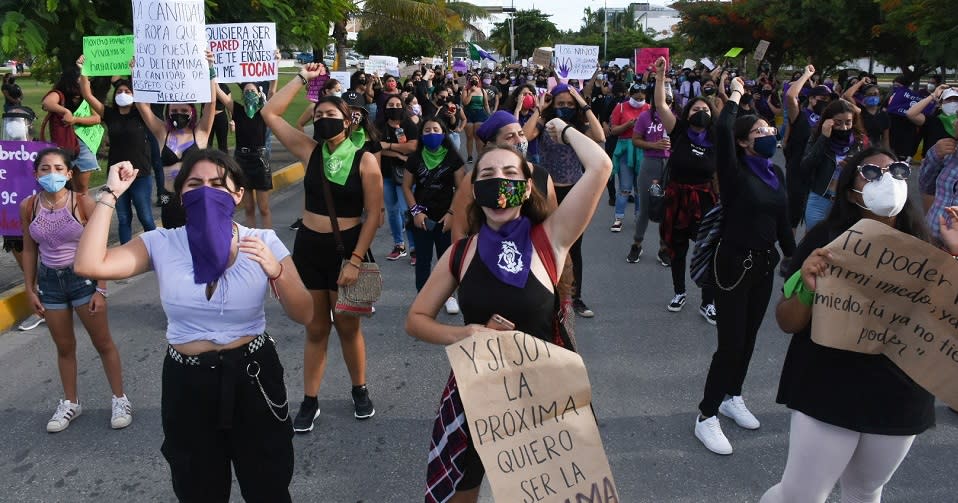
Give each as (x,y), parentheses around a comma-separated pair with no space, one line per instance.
(566,14)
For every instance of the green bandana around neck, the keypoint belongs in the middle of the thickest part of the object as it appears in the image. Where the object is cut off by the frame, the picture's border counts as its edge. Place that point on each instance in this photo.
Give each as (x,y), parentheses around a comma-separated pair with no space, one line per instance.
(252,103)
(949,122)
(433,158)
(337,164)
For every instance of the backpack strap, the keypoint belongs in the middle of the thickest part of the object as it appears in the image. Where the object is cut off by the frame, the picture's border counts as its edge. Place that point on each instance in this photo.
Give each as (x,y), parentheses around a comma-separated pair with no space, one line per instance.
(540,241)
(459,249)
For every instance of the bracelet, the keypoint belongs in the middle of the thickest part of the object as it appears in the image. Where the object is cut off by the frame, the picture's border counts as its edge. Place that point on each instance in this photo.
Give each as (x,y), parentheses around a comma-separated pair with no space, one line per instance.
(108,205)
(272,283)
(586,108)
(352,264)
(212,73)
(360,257)
(795,287)
(453,214)
(280,273)
(103,292)
(562,136)
(303,79)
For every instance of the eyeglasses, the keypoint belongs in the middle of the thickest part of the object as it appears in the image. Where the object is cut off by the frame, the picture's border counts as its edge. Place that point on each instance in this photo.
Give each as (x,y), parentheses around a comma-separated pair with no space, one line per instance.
(899,171)
(765,130)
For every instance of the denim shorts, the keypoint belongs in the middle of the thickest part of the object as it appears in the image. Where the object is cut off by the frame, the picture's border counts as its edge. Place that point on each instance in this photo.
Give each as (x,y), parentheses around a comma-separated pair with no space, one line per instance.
(85,160)
(62,288)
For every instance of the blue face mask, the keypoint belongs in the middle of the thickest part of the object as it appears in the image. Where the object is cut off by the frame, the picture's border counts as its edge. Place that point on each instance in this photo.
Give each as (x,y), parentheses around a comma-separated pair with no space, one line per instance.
(565,114)
(765,146)
(53,182)
(872,101)
(432,141)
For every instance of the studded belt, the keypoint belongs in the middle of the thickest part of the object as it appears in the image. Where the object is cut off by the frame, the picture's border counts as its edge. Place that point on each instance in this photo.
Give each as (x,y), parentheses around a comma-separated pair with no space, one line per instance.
(212,358)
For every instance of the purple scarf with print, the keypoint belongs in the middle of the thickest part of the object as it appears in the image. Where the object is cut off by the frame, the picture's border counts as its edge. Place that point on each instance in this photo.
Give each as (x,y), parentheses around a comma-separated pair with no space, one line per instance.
(699,139)
(507,253)
(764,169)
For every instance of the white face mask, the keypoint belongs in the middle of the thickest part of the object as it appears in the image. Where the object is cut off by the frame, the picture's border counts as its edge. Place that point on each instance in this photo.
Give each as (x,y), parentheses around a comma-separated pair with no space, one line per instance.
(636,103)
(949,108)
(124,100)
(884,197)
(930,87)
(338,94)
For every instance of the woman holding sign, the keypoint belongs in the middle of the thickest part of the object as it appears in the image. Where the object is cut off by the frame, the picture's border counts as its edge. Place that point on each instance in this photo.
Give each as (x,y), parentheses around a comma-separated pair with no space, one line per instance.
(854,415)
(504,279)
(342,183)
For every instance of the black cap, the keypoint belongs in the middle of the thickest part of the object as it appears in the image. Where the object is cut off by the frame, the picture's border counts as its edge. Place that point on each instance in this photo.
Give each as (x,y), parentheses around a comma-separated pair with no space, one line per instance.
(354,99)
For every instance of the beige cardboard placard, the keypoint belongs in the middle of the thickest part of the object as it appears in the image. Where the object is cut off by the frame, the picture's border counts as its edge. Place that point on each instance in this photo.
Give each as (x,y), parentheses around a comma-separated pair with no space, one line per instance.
(889,293)
(527,403)
(542,57)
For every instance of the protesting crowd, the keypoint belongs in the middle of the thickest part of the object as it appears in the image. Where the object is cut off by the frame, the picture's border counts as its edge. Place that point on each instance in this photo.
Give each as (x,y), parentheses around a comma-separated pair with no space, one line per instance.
(487,179)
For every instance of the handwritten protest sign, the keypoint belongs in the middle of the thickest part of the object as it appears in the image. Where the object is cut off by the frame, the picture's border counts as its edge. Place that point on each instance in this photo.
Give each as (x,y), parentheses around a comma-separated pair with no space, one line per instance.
(107,56)
(382,65)
(542,57)
(315,86)
(646,56)
(91,136)
(527,404)
(707,63)
(761,49)
(342,77)
(576,61)
(889,293)
(17,181)
(689,63)
(243,52)
(621,62)
(169,39)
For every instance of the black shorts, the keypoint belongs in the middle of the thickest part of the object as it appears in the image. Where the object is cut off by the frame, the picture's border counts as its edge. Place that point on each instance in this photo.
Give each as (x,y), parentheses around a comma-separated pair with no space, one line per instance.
(255,166)
(316,258)
(13,244)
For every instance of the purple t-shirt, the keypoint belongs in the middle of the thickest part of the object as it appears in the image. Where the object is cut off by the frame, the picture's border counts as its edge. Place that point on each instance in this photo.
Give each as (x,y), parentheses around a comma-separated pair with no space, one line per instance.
(651,131)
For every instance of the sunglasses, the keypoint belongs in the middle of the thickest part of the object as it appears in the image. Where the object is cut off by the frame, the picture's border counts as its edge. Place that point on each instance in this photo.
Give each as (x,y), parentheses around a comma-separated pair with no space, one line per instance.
(765,130)
(899,171)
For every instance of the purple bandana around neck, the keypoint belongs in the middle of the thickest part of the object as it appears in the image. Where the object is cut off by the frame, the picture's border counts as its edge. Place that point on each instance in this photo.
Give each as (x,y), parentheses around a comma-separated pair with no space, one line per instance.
(842,148)
(507,253)
(763,168)
(699,139)
(209,231)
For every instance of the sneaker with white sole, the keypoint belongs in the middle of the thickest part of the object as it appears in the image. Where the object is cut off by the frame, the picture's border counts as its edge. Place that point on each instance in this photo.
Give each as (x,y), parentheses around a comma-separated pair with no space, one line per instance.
(735,409)
(362,405)
(635,253)
(122,413)
(665,260)
(709,432)
(616,225)
(678,302)
(452,305)
(66,411)
(33,321)
(708,312)
(308,412)
(398,252)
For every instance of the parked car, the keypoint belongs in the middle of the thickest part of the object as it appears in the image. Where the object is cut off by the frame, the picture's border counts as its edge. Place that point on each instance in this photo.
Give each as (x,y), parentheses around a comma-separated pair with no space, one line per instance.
(352,61)
(304,57)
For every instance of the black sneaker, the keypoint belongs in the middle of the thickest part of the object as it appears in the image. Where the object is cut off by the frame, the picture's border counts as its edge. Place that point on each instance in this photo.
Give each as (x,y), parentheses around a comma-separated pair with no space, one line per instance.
(664,259)
(303,422)
(708,312)
(611,200)
(581,309)
(296,225)
(634,253)
(678,302)
(362,403)
(631,199)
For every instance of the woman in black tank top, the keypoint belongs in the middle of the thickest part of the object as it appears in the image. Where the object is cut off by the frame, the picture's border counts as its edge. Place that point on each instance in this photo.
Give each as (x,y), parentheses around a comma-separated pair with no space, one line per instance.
(501,275)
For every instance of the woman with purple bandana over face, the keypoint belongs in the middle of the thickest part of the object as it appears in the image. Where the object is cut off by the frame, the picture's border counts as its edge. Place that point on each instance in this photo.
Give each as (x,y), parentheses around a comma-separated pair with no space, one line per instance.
(502,281)
(224,400)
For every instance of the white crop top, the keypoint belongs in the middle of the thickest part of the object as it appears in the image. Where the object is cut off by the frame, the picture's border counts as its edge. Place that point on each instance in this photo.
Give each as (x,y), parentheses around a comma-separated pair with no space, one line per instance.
(236,307)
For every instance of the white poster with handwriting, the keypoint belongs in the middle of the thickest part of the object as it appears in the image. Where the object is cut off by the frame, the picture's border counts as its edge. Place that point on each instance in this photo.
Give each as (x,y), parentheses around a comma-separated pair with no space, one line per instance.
(243,52)
(576,61)
(170,41)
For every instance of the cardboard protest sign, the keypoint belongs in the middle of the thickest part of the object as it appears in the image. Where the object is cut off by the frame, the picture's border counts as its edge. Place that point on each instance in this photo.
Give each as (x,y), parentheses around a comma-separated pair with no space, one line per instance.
(709,65)
(243,52)
(761,49)
(17,181)
(527,404)
(689,63)
(733,52)
(381,65)
(646,56)
(170,41)
(576,61)
(542,57)
(460,66)
(621,62)
(889,293)
(91,136)
(107,56)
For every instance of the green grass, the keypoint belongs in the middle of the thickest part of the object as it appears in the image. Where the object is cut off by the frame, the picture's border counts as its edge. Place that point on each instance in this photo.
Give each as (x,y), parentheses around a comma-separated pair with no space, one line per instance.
(34,91)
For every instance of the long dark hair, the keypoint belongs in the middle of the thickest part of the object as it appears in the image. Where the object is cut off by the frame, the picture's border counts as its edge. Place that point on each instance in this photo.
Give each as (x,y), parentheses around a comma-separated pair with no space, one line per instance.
(534,208)
(382,120)
(845,213)
(446,142)
(231,170)
(549,112)
(841,106)
(513,98)
(743,127)
(67,157)
(338,102)
(68,83)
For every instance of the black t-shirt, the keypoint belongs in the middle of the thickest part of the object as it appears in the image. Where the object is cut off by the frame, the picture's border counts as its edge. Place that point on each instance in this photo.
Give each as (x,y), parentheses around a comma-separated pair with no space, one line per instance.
(435,187)
(250,133)
(689,163)
(388,134)
(863,393)
(931,132)
(217,104)
(875,125)
(127,134)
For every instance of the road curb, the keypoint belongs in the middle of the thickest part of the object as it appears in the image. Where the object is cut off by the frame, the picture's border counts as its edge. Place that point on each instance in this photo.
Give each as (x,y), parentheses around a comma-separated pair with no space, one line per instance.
(13,302)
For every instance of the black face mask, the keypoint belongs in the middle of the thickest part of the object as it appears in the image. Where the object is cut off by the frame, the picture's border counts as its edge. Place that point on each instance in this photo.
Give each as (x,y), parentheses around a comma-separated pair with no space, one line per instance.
(708,91)
(410,89)
(841,135)
(745,100)
(327,127)
(700,119)
(179,121)
(393,114)
(819,107)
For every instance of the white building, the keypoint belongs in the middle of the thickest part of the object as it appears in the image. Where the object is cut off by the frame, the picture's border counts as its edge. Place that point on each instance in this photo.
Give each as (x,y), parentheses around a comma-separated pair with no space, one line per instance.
(662,20)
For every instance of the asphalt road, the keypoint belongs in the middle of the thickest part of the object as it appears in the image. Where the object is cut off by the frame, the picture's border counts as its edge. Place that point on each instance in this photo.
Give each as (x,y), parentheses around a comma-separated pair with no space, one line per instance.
(647,367)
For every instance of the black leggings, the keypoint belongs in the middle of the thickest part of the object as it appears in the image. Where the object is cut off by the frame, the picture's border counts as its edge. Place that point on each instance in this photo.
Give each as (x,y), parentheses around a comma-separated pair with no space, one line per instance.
(680,246)
(221,130)
(575,252)
(740,314)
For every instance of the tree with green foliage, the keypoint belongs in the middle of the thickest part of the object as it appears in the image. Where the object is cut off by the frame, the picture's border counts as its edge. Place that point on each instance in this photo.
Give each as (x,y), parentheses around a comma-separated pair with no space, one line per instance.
(532,29)
(624,35)
(405,46)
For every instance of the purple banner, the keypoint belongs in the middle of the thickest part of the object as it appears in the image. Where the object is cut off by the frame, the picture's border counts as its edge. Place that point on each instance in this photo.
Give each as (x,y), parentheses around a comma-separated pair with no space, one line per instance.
(903,98)
(17,181)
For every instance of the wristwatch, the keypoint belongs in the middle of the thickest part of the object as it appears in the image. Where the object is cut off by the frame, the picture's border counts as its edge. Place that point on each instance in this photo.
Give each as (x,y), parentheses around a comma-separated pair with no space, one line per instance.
(105,190)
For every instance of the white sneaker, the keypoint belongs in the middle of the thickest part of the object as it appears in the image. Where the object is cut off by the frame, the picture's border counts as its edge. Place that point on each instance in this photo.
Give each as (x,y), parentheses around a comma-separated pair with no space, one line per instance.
(122,413)
(66,411)
(452,305)
(735,408)
(709,432)
(33,321)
